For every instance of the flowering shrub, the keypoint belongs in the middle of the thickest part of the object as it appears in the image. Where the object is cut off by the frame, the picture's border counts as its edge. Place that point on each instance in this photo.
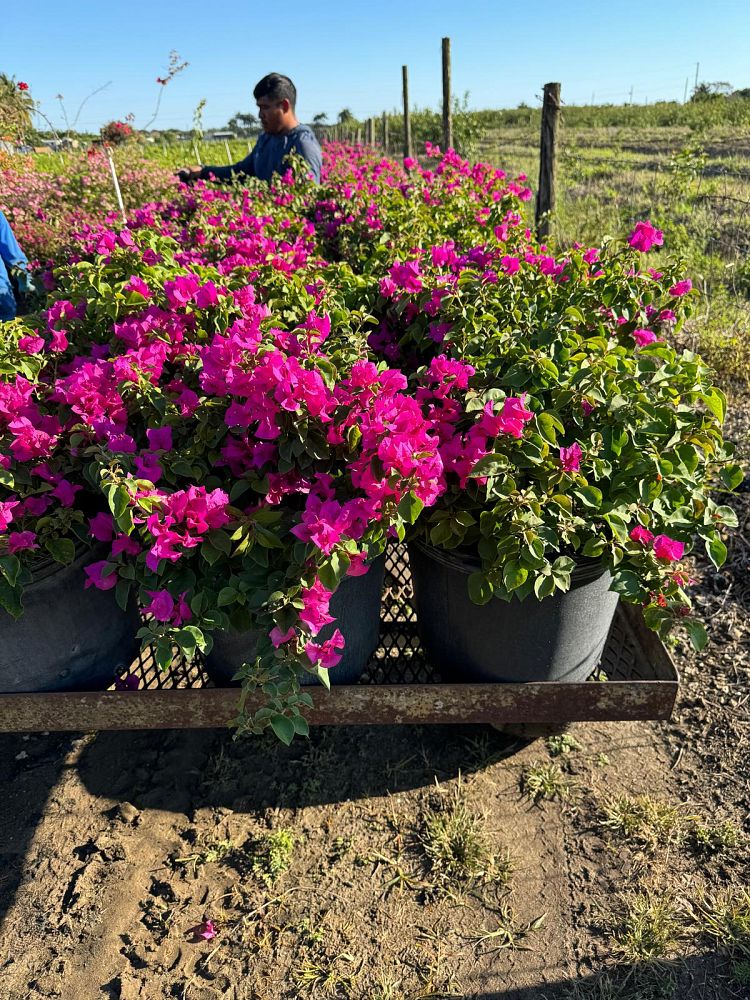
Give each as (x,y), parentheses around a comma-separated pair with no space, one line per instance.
(46,209)
(244,394)
(116,133)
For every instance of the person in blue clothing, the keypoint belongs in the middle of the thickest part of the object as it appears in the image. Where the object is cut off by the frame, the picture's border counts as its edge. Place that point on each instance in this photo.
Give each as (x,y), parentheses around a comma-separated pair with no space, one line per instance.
(12,259)
(276,97)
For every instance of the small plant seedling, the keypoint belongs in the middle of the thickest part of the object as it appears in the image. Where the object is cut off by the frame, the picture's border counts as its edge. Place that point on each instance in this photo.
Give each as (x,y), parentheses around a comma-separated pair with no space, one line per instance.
(561,745)
(643,820)
(544,781)
(455,840)
(271,854)
(215,851)
(650,928)
(510,934)
(714,838)
(725,918)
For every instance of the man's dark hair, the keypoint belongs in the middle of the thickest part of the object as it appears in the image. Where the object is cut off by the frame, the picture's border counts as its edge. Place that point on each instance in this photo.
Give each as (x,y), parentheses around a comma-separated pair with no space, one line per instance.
(277,87)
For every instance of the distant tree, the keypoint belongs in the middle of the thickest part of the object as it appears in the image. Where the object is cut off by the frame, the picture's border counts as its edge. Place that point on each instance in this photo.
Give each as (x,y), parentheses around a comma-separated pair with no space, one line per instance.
(16,106)
(743,94)
(243,123)
(345,116)
(710,91)
(320,119)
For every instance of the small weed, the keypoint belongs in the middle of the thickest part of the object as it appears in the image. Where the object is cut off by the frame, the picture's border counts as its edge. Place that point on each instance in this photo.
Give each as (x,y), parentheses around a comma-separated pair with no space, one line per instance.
(654,981)
(602,760)
(509,935)
(725,918)
(456,842)
(643,820)
(712,839)
(271,854)
(544,781)
(650,928)
(217,850)
(387,989)
(340,848)
(328,980)
(561,745)
(741,973)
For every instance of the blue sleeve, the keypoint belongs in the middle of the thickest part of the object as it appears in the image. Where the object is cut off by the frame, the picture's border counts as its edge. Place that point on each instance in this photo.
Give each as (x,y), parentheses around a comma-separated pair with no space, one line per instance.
(10,251)
(308,148)
(245,167)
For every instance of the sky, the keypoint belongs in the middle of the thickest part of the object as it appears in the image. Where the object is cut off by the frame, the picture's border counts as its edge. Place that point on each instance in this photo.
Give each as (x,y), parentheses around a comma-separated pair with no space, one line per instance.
(350,54)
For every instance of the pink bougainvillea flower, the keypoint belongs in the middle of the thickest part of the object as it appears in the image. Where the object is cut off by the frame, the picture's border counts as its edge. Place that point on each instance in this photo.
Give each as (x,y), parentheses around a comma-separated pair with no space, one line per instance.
(206,930)
(136,284)
(22,86)
(645,236)
(66,492)
(510,265)
(358,565)
(641,534)
(570,457)
(161,606)
(6,512)
(125,544)
(587,408)
(644,337)
(278,638)
(94,573)
(325,654)
(681,288)
(31,345)
(18,541)
(102,527)
(159,438)
(514,416)
(667,548)
(206,295)
(315,612)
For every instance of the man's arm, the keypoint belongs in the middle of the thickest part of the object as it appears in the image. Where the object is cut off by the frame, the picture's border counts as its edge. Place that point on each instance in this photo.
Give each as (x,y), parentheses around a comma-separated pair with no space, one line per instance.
(246,167)
(307,147)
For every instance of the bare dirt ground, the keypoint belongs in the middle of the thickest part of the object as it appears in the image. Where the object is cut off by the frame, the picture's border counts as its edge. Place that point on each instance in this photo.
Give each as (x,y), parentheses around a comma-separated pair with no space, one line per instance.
(394,863)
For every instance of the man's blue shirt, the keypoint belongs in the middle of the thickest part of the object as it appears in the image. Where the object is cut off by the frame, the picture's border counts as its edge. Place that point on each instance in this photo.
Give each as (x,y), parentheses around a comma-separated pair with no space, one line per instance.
(10,254)
(268,155)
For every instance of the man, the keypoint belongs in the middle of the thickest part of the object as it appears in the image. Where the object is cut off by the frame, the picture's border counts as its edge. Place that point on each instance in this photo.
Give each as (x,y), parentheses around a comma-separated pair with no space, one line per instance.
(276,97)
(13,259)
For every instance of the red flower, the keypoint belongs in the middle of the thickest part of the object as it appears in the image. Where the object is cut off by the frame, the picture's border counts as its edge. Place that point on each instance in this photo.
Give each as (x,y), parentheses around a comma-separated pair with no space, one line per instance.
(23,86)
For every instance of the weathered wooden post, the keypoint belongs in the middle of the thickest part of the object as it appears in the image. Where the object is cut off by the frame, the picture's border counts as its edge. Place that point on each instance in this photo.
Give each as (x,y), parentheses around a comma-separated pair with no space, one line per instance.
(407,119)
(545,199)
(385,133)
(359,137)
(447,110)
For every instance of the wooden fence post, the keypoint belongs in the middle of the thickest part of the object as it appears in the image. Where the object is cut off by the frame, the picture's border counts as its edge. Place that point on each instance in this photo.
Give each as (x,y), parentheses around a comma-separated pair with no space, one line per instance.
(447,109)
(407,119)
(545,199)
(385,133)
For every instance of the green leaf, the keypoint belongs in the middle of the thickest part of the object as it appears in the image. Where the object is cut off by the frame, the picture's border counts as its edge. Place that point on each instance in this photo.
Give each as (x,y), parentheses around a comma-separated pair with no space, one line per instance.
(480,588)
(410,507)
(10,598)
(732,476)
(490,465)
(301,726)
(716,402)
(227,595)
(163,654)
(122,594)
(284,728)
(10,567)
(62,550)
(697,633)
(717,551)
(240,487)
(544,586)
(119,500)
(514,575)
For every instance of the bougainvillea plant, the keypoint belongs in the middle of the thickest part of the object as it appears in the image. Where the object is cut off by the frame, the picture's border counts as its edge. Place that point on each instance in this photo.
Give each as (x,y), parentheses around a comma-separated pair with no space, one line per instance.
(255,390)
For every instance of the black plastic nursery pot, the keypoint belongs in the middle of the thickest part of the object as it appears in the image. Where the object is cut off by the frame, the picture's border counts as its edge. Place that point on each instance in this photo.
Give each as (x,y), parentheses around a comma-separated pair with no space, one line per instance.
(69,638)
(560,638)
(356,608)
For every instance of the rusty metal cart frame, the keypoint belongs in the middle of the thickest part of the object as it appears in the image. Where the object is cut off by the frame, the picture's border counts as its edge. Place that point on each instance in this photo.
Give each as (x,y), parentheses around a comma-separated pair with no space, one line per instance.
(635,680)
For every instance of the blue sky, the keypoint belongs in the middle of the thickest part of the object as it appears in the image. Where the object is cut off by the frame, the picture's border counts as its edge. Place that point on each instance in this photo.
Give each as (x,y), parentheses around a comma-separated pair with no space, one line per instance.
(350,54)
